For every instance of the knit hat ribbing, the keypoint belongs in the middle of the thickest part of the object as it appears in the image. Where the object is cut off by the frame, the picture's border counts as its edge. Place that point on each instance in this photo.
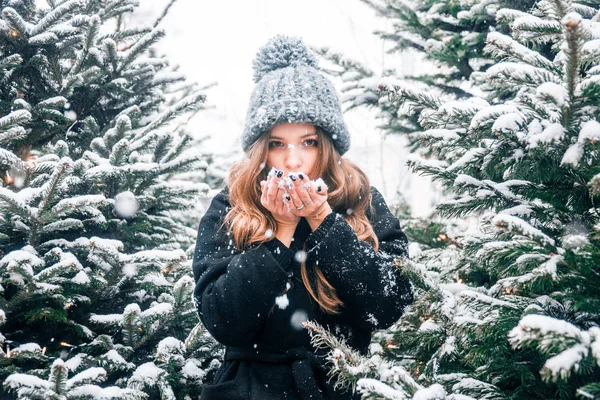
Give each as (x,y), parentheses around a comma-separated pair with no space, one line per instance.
(290,88)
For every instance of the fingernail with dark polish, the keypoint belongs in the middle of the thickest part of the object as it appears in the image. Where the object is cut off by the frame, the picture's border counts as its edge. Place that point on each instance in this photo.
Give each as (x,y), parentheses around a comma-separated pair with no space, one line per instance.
(293,177)
(300,176)
(288,198)
(279,174)
(318,188)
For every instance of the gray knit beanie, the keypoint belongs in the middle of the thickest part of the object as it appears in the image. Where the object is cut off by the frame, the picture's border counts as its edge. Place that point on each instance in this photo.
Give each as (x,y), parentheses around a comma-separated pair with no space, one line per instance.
(290,88)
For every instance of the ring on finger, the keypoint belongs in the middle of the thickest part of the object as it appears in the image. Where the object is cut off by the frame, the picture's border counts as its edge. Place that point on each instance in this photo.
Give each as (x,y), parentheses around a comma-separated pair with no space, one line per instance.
(307,202)
(301,207)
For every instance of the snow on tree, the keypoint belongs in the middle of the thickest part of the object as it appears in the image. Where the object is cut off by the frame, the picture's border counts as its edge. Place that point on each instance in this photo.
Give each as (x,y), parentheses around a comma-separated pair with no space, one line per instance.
(57,386)
(516,312)
(95,233)
(446,36)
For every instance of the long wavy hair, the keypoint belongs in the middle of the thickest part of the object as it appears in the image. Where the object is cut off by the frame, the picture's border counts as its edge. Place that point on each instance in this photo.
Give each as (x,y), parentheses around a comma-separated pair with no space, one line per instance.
(349,194)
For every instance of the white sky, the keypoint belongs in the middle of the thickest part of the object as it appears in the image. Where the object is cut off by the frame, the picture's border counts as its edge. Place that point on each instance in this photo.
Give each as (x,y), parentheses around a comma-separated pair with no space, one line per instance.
(216,41)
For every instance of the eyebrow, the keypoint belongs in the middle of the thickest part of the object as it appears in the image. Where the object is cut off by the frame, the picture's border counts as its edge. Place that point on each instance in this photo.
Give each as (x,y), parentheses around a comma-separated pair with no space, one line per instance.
(301,137)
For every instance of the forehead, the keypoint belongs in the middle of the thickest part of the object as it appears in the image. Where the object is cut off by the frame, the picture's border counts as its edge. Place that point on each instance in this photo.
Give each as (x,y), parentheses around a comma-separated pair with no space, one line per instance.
(292,131)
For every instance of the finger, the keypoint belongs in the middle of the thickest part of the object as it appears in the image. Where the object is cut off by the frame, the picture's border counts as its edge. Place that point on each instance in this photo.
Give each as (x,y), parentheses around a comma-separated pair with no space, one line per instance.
(266,189)
(303,177)
(279,182)
(320,187)
(263,193)
(272,190)
(269,179)
(279,206)
(274,173)
(263,185)
(306,182)
(297,203)
(288,188)
(286,199)
(315,200)
(301,190)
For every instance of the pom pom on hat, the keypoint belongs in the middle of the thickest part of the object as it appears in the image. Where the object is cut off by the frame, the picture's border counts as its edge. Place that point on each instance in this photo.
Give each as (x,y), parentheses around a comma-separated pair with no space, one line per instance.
(281,52)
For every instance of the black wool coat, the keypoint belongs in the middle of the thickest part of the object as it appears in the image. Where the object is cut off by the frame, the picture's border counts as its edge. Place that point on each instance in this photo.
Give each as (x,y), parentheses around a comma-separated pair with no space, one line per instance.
(254,301)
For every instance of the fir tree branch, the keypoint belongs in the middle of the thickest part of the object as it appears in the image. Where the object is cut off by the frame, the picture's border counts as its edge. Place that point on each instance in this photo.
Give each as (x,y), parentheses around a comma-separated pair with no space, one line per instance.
(164,13)
(55,15)
(573,38)
(17,21)
(142,45)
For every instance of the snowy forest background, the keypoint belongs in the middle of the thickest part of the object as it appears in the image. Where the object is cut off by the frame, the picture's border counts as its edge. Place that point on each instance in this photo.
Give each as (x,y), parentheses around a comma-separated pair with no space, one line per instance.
(108,154)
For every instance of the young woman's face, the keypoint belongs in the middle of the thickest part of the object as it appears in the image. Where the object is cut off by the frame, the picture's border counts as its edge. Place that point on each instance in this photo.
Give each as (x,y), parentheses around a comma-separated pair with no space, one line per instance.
(292,148)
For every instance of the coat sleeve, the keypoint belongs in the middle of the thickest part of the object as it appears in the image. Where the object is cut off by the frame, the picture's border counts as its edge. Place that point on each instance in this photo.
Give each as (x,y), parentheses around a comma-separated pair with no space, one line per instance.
(369,283)
(234,290)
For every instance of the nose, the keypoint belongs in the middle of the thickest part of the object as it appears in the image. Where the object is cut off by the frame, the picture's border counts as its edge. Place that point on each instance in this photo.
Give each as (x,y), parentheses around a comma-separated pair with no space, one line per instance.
(293,159)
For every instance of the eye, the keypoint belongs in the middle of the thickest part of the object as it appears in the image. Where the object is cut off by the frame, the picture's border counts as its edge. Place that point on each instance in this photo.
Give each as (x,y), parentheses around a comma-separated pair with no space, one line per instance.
(275,143)
(311,143)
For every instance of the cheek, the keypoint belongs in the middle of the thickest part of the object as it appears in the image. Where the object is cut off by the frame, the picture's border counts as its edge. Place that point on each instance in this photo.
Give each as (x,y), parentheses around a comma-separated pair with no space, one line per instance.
(310,162)
(274,160)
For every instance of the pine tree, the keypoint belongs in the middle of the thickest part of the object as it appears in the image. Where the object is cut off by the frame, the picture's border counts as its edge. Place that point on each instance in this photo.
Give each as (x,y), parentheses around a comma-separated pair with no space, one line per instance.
(95,244)
(446,36)
(516,315)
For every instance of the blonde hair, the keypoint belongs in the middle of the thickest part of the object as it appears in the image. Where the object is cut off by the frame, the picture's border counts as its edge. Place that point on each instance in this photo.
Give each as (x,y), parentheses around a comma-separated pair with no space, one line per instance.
(349,192)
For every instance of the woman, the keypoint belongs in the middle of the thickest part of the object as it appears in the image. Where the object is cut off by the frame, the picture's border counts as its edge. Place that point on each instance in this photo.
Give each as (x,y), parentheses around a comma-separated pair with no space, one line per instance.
(298,234)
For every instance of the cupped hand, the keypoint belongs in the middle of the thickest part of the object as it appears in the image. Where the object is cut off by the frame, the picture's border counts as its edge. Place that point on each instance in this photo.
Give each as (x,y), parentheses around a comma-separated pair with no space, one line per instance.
(307,198)
(274,197)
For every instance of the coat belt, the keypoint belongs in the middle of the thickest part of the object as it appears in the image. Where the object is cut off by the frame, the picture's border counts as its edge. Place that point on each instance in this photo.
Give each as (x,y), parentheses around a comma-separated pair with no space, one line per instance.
(301,359)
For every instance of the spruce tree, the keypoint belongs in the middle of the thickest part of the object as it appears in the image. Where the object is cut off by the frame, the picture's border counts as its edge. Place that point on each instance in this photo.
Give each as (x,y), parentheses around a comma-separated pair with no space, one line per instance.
(516,312)
(95,245)
(446,37)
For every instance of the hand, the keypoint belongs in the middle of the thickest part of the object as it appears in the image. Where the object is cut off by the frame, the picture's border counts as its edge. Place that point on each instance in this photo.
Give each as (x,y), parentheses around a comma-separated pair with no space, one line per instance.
(308,198)
(272,198)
